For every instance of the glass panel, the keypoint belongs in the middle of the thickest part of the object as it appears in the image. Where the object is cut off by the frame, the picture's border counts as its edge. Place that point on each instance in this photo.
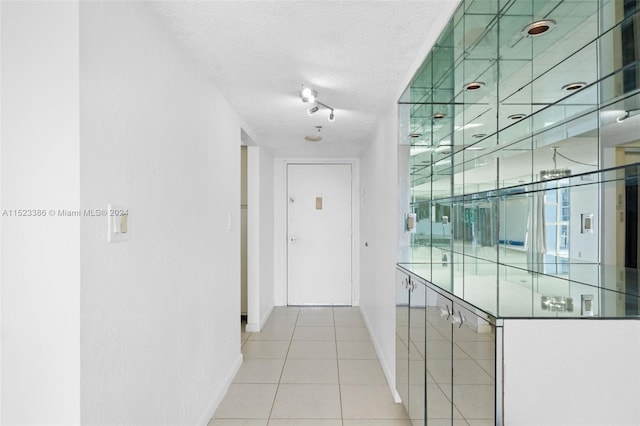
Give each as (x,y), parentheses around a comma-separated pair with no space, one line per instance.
(439,358)
(523,146)
(474,373)
(402,337)
(417,350)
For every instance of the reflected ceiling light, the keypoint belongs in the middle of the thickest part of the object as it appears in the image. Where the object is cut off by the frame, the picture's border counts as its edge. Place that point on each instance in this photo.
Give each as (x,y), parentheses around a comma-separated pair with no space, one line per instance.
(474,85)
(538,27)
(479,135)
(574,86)
(439,115)
(554,173)
(476,148)
(467,126)
(416,150)
(309,95)
(415,135)
(516,117)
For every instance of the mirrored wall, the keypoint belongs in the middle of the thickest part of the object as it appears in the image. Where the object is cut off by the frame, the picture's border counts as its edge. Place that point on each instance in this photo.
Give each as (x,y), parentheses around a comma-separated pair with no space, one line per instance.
(522,132)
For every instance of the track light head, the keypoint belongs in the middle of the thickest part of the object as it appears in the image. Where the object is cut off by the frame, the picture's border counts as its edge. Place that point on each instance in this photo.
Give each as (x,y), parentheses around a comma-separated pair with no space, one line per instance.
(308,95)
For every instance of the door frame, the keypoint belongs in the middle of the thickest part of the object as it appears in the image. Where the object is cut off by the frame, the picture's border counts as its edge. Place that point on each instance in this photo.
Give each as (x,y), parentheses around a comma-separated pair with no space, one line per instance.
(280,224)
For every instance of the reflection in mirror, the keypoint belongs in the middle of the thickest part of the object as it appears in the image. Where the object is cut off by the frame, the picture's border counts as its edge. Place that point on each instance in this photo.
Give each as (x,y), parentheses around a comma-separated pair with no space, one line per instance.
(522,161)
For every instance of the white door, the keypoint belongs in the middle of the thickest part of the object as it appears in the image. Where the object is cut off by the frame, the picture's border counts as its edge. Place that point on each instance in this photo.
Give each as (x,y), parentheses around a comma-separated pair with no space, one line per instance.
(319,234)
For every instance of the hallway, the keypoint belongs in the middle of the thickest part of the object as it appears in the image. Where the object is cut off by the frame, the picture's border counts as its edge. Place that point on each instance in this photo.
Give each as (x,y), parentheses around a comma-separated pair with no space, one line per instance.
(310,367)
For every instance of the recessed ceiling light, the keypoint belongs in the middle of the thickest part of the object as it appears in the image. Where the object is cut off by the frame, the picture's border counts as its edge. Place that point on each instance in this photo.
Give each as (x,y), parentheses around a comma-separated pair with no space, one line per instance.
(415,135)
(314,138)
(474,85)
(538,28)
(439,115)
(574,86)
(479,135)
(515,117)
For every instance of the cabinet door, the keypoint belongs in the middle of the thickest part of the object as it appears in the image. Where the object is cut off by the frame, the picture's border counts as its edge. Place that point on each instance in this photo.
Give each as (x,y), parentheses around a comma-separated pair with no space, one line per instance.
(439,346)
(474,367)
(402,337)
(417,349)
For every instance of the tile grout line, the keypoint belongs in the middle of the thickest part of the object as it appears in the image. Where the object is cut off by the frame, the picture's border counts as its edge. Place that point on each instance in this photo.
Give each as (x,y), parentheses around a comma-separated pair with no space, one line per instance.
(335,336)
(286,357)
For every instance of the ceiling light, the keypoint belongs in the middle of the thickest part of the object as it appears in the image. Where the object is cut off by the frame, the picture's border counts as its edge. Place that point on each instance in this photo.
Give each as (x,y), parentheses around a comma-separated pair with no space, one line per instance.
(474,85)
(415,135)
(476,148)
(517,116)
(574,86)
(316,137)
(479,135)
(415,150)
(439,115)
(467,126)
(308,95)
(538,27)
(554,173)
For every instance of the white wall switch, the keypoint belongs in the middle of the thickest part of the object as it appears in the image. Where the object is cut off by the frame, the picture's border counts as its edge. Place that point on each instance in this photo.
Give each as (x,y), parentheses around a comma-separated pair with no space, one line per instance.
(118,224)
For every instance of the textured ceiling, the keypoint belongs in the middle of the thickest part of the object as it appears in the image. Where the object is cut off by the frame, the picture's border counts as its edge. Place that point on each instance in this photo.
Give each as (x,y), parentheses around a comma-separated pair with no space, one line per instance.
(357,54)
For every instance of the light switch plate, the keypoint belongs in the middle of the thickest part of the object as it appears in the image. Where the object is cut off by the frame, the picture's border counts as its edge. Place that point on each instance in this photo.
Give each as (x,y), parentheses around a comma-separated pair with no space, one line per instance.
(119,224)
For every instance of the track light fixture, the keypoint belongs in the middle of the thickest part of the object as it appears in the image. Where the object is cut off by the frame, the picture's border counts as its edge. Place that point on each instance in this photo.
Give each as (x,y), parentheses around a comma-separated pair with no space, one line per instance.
(309,95)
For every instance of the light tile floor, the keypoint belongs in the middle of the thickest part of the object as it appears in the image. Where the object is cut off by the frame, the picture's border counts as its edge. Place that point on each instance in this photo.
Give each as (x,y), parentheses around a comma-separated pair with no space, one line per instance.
(310,367)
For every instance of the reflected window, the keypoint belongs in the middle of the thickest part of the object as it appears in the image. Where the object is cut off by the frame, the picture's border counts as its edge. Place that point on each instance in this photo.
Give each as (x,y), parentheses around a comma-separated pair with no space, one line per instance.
(557,213)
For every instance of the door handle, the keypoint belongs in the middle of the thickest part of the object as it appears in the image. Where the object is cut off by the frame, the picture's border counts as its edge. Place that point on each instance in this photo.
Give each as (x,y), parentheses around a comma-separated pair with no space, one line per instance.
(444,312)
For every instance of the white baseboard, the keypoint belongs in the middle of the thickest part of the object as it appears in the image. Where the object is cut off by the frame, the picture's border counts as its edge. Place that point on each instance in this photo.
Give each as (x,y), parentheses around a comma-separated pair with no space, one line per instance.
(220,394)
(252,328)
(389,372)
(255,328)
(265,317)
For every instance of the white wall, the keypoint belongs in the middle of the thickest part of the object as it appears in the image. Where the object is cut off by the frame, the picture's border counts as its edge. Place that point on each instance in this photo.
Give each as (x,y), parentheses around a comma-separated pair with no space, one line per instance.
(378,229)
(260,244)
(40,255)
(571,372)
(160,312)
